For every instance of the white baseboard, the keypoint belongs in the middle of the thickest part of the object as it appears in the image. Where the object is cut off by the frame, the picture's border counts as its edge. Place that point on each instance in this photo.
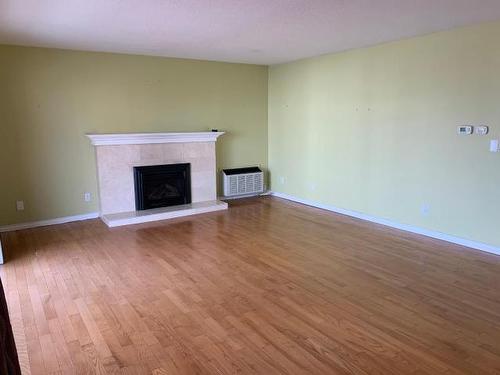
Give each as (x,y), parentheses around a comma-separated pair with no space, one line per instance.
(43,223)
(408,228)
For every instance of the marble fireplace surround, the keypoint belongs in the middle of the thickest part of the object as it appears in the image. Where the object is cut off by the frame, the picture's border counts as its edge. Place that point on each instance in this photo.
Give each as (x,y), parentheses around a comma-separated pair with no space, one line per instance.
(118,154)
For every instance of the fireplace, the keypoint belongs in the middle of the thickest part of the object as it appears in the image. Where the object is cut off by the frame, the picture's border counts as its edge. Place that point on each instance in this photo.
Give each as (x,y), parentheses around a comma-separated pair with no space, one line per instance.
(162,185)
(118,154)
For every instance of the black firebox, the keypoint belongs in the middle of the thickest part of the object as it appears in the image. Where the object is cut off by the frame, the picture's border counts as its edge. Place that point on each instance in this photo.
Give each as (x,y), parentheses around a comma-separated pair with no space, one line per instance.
(162,185)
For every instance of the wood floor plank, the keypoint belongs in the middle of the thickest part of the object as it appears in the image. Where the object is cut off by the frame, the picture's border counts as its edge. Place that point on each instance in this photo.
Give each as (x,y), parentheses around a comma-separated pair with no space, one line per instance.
(268,287)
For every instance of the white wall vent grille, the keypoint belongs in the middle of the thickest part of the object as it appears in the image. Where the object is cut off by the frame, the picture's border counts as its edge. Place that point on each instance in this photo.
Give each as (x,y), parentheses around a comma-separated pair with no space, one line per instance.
(243,181)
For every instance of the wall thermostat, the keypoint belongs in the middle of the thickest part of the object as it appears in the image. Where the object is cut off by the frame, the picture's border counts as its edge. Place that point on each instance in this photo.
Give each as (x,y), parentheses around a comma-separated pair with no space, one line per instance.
(481,130)
(464,130)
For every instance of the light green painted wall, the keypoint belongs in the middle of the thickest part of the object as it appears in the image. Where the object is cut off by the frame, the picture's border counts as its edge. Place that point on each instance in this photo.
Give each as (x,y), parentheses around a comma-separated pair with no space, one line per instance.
(50,98)
(374,130)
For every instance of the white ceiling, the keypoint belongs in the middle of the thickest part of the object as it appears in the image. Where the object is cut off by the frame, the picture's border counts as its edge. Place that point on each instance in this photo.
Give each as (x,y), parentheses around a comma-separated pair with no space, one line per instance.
(249,31)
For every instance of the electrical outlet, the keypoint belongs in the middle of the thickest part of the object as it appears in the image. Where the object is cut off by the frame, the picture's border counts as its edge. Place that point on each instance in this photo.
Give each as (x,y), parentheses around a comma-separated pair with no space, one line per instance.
(312,186)
(282,180)
(425,209)
(20,205)
(87,197)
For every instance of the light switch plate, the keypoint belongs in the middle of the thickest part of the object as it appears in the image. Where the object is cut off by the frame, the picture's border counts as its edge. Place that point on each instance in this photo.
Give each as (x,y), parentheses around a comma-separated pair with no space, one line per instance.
(494,145)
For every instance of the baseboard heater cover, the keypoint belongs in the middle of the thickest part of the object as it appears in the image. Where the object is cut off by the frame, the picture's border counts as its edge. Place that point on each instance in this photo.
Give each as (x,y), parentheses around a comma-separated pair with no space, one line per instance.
(242,181)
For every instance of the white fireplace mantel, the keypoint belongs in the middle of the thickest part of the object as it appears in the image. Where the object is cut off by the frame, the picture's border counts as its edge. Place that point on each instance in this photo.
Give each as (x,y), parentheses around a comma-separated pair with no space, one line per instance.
(149,138)
(118,154)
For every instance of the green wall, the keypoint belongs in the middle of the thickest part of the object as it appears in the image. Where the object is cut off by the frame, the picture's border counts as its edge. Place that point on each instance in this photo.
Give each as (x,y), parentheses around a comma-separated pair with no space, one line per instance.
(371,130)
(374,131)
(50,98)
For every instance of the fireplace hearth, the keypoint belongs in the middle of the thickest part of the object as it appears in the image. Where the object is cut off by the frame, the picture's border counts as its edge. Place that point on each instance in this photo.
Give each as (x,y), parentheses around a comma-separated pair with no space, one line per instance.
(162,185)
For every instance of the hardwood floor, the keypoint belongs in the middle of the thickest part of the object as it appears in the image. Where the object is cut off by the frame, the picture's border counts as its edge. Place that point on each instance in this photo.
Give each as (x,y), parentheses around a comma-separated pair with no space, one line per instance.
(268,287)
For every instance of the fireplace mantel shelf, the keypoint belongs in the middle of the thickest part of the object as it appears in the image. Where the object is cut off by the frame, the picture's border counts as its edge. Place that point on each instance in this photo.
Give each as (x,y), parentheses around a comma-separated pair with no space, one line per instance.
(148,138)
